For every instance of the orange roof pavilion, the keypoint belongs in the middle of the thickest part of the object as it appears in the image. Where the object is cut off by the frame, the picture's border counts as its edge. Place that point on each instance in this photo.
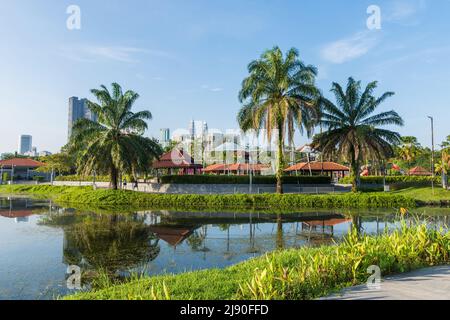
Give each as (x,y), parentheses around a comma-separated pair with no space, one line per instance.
(21,163)
(176,159)
(419,171)
(318,167)
(236,167)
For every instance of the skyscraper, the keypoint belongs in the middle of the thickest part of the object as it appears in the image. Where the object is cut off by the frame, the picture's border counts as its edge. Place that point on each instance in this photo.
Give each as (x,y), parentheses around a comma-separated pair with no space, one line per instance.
(25,144)
(78,109)
(165,137)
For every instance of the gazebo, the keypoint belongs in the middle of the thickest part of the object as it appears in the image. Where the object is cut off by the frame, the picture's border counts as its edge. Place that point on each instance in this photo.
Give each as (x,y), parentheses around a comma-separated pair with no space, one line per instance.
(419,171)
(318,168)
(177,161)
(236,168)
(22,168)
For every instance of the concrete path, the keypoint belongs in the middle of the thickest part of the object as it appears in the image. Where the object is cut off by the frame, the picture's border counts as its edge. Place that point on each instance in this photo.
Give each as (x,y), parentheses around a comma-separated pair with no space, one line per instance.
(425,284)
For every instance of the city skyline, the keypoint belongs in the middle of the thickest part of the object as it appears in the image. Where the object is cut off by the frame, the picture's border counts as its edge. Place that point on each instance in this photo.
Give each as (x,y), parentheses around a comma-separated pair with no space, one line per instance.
(194,69)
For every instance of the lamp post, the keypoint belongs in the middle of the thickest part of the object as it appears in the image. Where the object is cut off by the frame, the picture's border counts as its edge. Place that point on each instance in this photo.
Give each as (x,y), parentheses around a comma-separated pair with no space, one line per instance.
(1,175)
(432,152)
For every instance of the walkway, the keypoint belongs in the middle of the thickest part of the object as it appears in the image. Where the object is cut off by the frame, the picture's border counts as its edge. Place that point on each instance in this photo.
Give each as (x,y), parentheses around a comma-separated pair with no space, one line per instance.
(425,284)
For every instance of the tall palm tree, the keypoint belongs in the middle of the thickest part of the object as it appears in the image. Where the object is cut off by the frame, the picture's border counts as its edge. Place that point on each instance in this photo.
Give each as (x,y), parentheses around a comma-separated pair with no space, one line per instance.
(115,144)
(278,95)
(353,129)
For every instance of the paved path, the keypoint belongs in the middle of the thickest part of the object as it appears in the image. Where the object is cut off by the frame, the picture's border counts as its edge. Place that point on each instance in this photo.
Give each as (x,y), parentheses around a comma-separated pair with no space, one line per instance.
(425,284)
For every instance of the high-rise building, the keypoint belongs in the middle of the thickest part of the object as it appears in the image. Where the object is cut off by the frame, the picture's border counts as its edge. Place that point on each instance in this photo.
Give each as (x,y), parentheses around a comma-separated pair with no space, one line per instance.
(25,144)
(165,137)
(198,129)
(78,109)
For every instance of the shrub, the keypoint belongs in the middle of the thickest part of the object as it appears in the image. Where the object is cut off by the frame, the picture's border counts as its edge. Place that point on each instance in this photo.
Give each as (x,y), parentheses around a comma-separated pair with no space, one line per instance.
(213,179)
(76,178)
(412,180)
(6,177)
(38,178)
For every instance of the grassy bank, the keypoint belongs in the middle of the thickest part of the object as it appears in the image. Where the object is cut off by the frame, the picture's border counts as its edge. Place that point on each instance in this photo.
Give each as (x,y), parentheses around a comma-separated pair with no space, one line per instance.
(305,273)
(425,194)
(87,196)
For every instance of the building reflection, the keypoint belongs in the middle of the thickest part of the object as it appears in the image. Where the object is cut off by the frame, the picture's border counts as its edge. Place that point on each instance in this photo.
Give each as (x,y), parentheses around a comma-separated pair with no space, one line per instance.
(21,209)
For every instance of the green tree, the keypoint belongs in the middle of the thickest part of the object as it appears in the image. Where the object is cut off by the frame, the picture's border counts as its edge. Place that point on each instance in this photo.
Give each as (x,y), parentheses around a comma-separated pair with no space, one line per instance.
(353,129)
(409,149)
(278,95)
(115,144)
(61,163)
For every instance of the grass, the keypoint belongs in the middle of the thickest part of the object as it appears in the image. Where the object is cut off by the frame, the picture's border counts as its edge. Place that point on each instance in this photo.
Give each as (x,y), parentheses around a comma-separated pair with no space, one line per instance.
(295,274)
(103,198)
(425,194)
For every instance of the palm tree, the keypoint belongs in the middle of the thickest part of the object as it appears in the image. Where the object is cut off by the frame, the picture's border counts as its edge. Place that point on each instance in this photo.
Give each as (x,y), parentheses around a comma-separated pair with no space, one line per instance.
(353,129)
(409,149)
(278,95)
(115,144)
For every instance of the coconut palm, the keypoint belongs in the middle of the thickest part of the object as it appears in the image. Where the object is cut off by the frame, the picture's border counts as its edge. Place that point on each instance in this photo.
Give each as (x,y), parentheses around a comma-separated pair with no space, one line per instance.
(353,128)
(115,144)
(409,149)
(278,95)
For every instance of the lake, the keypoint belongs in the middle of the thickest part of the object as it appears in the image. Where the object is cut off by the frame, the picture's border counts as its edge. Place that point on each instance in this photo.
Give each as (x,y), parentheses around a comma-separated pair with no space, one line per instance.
(39,240)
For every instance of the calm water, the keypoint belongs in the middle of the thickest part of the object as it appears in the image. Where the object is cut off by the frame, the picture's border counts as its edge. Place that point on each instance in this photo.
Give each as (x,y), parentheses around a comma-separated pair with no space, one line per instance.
(39,240)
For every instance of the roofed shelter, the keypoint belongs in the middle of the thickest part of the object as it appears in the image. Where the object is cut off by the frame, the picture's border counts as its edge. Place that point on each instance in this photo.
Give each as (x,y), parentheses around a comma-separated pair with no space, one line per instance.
(319,168)
(177,161)
(236,168)
(22,168)
(419,171)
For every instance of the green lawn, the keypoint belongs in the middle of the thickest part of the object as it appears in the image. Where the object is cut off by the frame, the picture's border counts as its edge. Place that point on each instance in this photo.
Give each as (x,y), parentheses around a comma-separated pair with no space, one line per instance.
(424,194)
(295,274)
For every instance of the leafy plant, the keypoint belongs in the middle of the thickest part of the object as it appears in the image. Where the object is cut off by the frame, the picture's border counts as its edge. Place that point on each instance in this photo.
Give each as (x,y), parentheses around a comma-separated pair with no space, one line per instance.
(353,130)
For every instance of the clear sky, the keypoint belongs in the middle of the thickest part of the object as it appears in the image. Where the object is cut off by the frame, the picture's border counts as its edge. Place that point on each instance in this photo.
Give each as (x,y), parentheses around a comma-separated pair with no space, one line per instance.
(187,58)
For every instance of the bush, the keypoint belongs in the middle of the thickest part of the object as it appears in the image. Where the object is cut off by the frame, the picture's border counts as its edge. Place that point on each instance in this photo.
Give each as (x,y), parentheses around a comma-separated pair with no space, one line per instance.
(213,179)
(286,202)
(38,178)
(412,180)
(6,177)
(76,178)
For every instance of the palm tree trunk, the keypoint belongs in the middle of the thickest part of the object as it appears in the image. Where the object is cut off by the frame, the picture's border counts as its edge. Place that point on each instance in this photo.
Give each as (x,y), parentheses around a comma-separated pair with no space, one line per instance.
(279,174)
(355,172)
(114,177)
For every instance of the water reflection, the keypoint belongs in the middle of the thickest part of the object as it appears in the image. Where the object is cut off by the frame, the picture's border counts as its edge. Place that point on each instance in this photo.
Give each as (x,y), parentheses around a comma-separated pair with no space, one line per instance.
(156,242)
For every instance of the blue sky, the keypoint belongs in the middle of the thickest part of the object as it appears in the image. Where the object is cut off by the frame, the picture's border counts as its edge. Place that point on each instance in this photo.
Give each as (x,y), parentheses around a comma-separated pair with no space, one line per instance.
(187,58)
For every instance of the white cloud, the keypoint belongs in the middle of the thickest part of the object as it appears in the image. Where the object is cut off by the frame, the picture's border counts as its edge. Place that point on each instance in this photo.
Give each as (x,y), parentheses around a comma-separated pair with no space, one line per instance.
(347,49)
(212,89)
(404,10)
(90,53)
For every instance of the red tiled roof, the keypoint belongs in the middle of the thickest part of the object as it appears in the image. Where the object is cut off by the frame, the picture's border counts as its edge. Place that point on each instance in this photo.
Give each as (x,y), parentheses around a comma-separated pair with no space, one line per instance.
(22,163)
(172,235)
(236,167)
(175,159)
(215,168)
(419,171)
(16,213)
(327,223)
(318,166)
